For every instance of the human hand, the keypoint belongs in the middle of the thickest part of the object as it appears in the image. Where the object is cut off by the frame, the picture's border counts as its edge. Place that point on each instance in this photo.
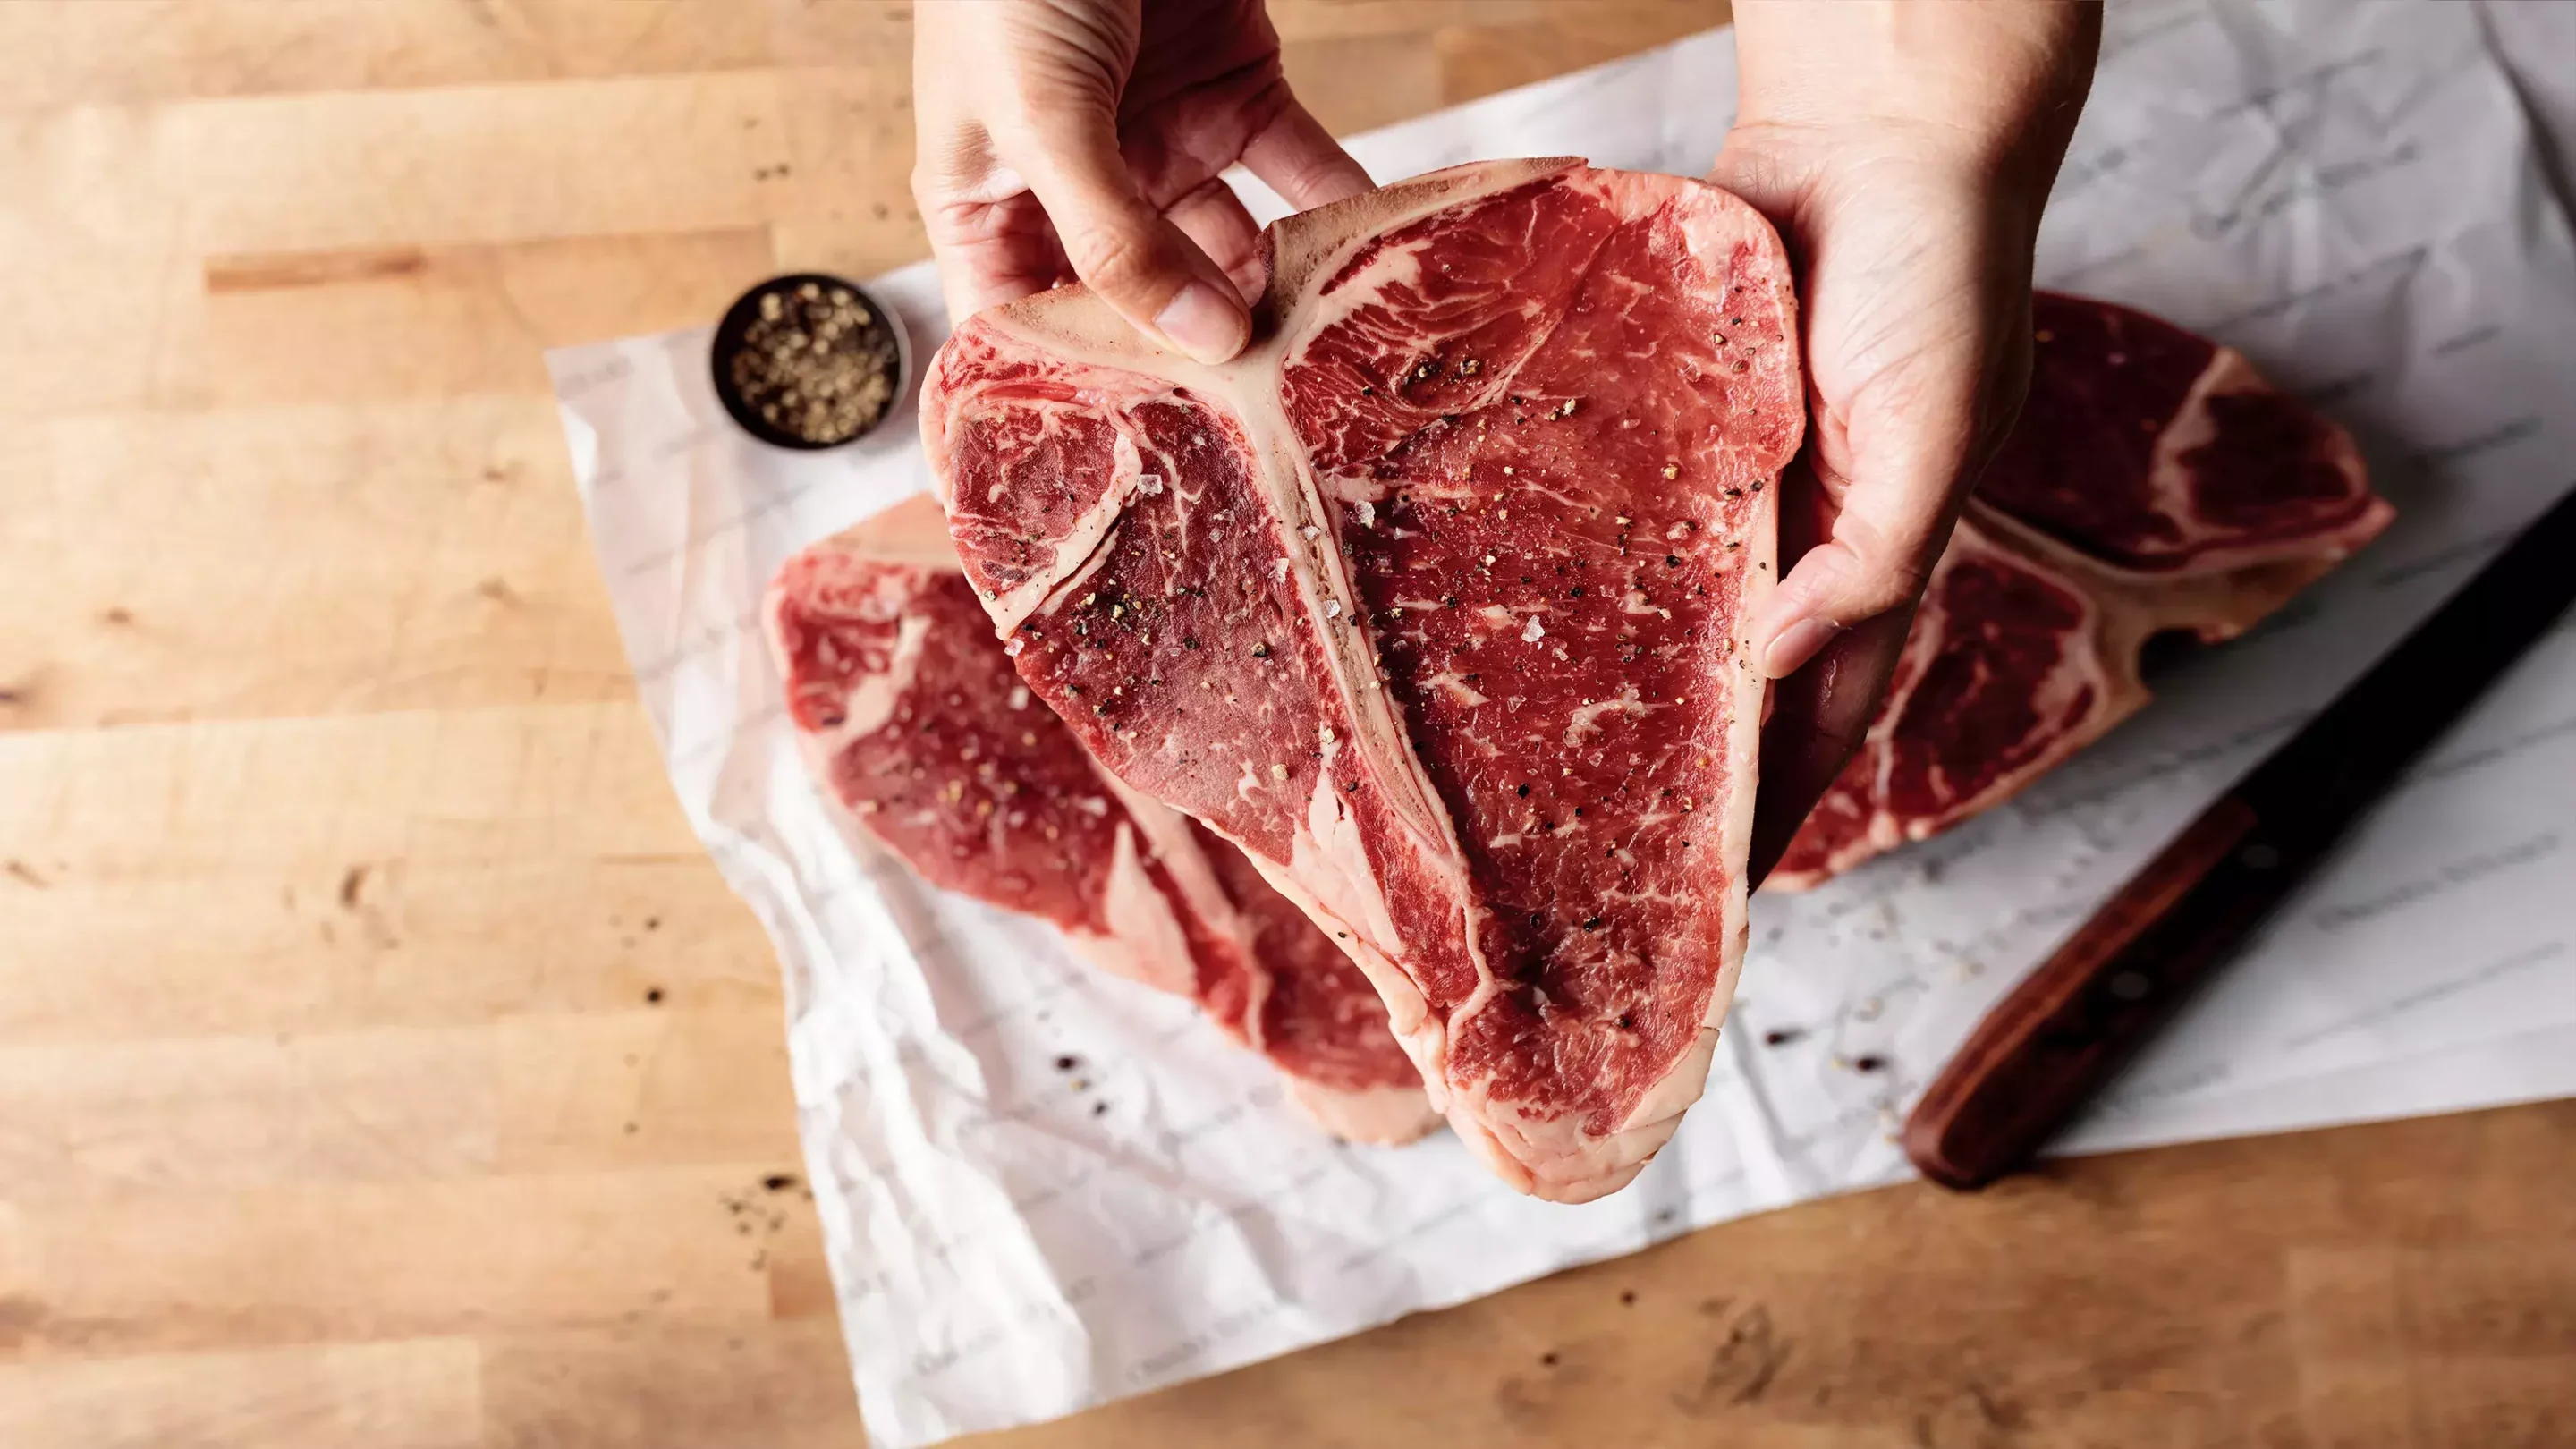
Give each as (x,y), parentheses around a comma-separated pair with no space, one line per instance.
(1904,149)
(1064,139)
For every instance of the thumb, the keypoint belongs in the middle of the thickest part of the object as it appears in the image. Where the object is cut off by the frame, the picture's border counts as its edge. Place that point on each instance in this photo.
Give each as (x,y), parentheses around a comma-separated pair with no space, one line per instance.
(1879,554)
(1895,467)
(1133,256)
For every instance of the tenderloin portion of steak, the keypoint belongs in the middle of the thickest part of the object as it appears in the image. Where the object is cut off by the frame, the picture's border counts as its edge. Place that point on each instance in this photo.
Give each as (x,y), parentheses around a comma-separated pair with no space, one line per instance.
(2155,483)
(928,744)
(1433,602)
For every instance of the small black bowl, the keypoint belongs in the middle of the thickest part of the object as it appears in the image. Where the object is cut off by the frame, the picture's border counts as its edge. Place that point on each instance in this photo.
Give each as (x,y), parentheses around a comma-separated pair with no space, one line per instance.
(735,336)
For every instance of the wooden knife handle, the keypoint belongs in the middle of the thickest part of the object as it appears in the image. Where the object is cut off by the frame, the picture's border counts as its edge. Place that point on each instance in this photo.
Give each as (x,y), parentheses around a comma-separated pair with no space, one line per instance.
(2040,1054)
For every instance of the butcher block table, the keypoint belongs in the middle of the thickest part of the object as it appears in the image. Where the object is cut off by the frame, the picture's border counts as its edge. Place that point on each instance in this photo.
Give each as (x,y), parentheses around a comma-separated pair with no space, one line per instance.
(381,1061)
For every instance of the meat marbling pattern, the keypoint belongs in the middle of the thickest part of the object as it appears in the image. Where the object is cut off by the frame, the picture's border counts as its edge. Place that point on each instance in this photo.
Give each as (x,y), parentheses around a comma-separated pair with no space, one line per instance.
(1434,602)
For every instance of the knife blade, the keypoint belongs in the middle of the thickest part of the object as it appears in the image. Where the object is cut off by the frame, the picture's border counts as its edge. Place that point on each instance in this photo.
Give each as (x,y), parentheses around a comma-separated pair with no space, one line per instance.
(2039,1055)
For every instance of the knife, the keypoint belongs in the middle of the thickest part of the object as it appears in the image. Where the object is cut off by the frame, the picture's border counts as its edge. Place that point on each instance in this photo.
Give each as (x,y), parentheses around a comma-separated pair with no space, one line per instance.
(2041,1053)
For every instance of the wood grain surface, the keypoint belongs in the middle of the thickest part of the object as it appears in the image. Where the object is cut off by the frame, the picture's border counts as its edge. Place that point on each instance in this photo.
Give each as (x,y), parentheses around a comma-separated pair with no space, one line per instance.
(382,1063)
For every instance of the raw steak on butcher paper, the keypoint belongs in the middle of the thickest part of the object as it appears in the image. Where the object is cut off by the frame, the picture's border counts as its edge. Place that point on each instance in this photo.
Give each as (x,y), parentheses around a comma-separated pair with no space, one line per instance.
(1434,602)
(921,736)
(2155,483)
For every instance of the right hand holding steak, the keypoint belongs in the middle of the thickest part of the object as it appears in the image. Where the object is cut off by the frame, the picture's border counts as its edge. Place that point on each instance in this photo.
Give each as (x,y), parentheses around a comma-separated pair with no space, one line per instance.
(1083,139)
(1904,149)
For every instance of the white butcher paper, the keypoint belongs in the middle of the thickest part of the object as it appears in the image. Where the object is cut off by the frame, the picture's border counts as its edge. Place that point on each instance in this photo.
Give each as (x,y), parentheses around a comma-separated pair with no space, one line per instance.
(2349,193)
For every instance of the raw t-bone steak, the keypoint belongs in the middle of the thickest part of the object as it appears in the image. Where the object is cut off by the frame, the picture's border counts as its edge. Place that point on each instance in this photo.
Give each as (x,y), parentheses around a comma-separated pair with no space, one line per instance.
(911,719)
(1433,601)
(2156,483)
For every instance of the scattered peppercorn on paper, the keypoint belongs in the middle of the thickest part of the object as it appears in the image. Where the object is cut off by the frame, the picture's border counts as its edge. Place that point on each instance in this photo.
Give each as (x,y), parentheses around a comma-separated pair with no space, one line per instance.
(1042,1188)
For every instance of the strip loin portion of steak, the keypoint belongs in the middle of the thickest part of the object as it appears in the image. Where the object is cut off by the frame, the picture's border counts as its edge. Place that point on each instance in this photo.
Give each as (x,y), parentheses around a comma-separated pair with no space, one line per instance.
(927,743)
(1433,601)
(2155,483)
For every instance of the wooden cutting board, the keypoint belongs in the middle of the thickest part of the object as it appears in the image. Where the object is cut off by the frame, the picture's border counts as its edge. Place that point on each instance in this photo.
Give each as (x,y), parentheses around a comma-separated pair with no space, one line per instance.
(381,1062)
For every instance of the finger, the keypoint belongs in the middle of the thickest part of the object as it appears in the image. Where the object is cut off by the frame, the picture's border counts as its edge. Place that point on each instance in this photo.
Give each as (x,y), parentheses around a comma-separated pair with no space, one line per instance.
(1900,463)
(988,235)
(1295,156)
(1215,218)
(991,252)
(1133,256)
(1819,716)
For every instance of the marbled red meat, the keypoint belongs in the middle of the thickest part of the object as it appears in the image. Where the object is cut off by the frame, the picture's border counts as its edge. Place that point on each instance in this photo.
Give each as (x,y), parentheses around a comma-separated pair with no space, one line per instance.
(1434,602)
(2154,483)
(923,737)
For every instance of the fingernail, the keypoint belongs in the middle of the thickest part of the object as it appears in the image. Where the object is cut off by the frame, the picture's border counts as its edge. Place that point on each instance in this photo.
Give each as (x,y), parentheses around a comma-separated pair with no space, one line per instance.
(1795,645)
(1200,323)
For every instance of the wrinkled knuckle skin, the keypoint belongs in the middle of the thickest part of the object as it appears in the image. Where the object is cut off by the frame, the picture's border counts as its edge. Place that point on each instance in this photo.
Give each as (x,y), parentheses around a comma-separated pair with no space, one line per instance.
(1116,263)
(949,160)
(1868,585)
(1850,583)
(1903,573)
(1905,586)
